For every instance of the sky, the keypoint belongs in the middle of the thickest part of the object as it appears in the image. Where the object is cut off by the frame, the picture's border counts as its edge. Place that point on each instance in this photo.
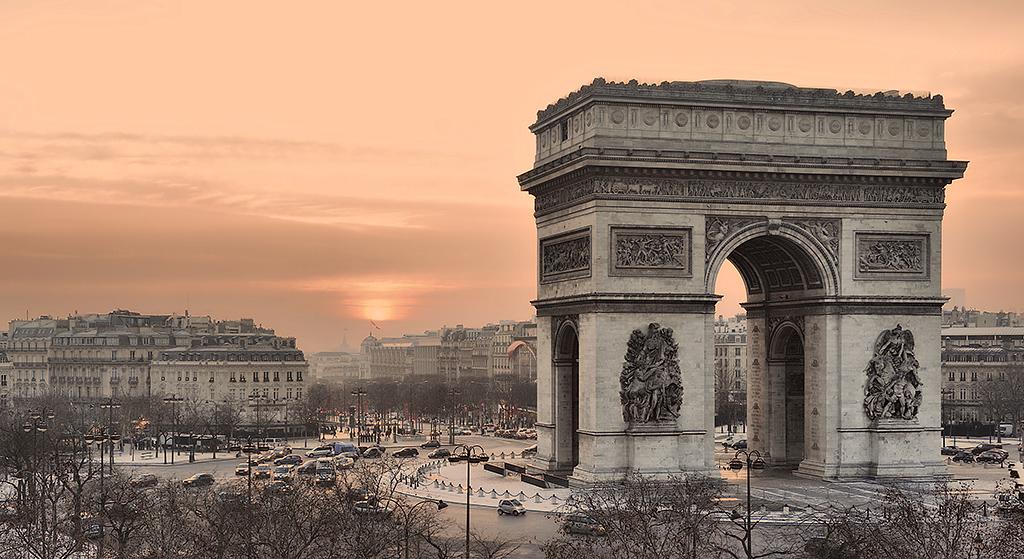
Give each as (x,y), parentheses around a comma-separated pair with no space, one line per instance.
(319,165)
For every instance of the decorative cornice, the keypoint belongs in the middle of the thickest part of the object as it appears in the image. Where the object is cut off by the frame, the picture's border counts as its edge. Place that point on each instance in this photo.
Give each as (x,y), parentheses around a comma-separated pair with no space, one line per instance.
(626,303)
(746,92)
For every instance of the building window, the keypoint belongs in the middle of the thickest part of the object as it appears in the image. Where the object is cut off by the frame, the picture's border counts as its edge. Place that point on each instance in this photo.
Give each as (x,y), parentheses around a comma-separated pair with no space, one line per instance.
(277,376)
(179,376)
(298,393)
(298,376)
(232,379)
(265,393)
(266,376)
(288,394)
(952,376)
(963,376)
(289,376)
(974,375)
(255,376)
(277,393)
(241,378)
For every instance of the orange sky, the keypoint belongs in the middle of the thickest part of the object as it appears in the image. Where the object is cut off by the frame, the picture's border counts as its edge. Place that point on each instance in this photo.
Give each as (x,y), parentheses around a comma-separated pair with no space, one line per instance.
(318,166)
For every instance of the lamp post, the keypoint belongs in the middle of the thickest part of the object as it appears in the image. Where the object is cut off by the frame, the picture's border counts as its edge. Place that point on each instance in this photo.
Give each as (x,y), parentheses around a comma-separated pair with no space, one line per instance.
(173,401)
(753,461)
(359,393)
(408,513)
(467,454)
(248,449)
(452,393)
(110,405)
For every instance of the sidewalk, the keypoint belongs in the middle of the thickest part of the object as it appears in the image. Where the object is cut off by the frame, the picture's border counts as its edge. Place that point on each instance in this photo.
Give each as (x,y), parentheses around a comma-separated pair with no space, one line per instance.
(149,458)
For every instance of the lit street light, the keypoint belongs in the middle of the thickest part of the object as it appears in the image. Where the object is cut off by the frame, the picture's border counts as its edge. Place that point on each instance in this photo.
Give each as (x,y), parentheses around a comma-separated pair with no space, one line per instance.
(467,454)
(753,461)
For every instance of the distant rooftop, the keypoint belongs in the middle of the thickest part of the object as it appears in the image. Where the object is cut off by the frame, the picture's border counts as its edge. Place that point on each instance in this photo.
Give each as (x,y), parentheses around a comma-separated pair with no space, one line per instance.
(983,331)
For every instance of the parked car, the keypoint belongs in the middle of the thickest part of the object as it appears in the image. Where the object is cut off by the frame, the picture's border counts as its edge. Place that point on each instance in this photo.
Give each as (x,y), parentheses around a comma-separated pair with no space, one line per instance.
(242,469)
(964,457)
(985,446)
(740,444)
(510,506)
(994,456)
(408,452)
(320,452)
(440,453)
(373,452)
(431,444)
(289,460)
(144,480)
(950,450)
(198,480)
(343,462)
(326,477)
(582,524)
(263,471)
(465,431)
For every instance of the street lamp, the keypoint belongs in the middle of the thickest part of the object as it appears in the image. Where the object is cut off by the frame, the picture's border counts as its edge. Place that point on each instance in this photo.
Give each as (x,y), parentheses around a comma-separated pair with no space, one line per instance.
(359,393)
(441,505)
(249,449)
(452,393)
(173,401)
(753,461)
(470,457)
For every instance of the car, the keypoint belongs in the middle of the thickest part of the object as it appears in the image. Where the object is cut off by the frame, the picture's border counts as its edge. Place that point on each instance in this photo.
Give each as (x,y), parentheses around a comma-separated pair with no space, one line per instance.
(950,450)
(994,456)
(307,469)
(263,471)
(343,462)
(406,453)
(374,507)
(440,453)
(373,452)
(93,531)
(431,444)
(326,477)
(291,459)
(144,480)
(740,444)
(278,486)
(198,480)
(235,448)
(242,469)
(510,506)
(964,457)
(357,494)
(320,453)
(582,524)
(985,446)
(265,458)
(465,431)
(283,473)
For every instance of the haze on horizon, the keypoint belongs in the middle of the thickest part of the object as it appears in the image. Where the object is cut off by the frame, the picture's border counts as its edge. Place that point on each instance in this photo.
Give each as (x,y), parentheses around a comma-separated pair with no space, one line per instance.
(316,168)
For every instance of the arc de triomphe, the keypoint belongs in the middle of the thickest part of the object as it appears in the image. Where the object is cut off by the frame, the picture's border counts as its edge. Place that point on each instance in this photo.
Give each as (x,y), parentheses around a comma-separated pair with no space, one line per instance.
(830,206)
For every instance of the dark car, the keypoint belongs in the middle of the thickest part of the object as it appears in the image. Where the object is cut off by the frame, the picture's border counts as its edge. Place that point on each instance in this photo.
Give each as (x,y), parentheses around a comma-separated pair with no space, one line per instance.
(950,450)
(965,457)
(291,459)
(373,452)
(198,480)
(144,480)
(440,453)
(278,486)
(984,447)
(994,456)
(431,444)
(582,524)
(357,494)
(406,453)
(740,444)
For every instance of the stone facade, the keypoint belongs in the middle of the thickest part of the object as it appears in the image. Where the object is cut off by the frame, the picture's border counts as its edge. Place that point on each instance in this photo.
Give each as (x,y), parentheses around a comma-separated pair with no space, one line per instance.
(974,359)
(643,191)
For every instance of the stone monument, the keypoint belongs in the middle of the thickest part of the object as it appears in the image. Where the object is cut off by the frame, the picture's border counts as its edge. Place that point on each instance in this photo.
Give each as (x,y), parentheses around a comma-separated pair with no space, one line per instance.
(830,206)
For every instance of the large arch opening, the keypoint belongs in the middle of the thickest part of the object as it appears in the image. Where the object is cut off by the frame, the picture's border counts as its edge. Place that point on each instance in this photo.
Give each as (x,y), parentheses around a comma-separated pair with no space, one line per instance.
(779,278)
(566,368)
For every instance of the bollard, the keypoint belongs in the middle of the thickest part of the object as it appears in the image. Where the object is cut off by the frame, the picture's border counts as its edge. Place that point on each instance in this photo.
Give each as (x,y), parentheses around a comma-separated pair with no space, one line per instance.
(554,499)
(521,496)
(536,498)
(480,492)
(494,494)
(785,509)
(459,491)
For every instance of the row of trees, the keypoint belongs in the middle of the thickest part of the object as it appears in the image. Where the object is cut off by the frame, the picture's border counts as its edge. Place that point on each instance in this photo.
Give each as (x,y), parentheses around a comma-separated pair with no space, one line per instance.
(1002,398)
(690,518)
(56,500)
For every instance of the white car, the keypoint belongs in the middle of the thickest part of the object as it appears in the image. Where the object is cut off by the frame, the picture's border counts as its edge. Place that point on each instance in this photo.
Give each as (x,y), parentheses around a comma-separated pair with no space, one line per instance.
(320,453)
(511,506)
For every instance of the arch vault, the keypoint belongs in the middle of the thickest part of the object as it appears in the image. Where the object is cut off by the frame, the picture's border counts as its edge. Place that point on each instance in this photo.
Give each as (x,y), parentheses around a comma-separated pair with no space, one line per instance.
(830,206)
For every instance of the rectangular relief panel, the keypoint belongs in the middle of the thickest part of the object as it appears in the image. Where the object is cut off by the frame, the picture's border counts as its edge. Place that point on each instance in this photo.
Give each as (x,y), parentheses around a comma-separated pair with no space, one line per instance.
(651,251)
(892,256)
(565,256)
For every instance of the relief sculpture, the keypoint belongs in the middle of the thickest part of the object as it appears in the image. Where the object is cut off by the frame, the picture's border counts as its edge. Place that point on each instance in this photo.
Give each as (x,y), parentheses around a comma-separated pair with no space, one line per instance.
(886,256)
(893,388)
(650,382)
(565,256)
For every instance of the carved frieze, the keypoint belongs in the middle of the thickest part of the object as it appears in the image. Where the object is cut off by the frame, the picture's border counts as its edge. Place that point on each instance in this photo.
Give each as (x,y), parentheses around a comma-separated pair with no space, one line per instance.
(827,231)
(650,382)
(565,256)
(703,190)
(892,256)
(719,228)
(654,251)
(893,388)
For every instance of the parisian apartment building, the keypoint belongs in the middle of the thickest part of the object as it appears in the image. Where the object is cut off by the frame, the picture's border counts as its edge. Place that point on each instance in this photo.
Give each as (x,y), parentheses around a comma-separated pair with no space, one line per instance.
(973,357)
(731,356)
(125,354)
